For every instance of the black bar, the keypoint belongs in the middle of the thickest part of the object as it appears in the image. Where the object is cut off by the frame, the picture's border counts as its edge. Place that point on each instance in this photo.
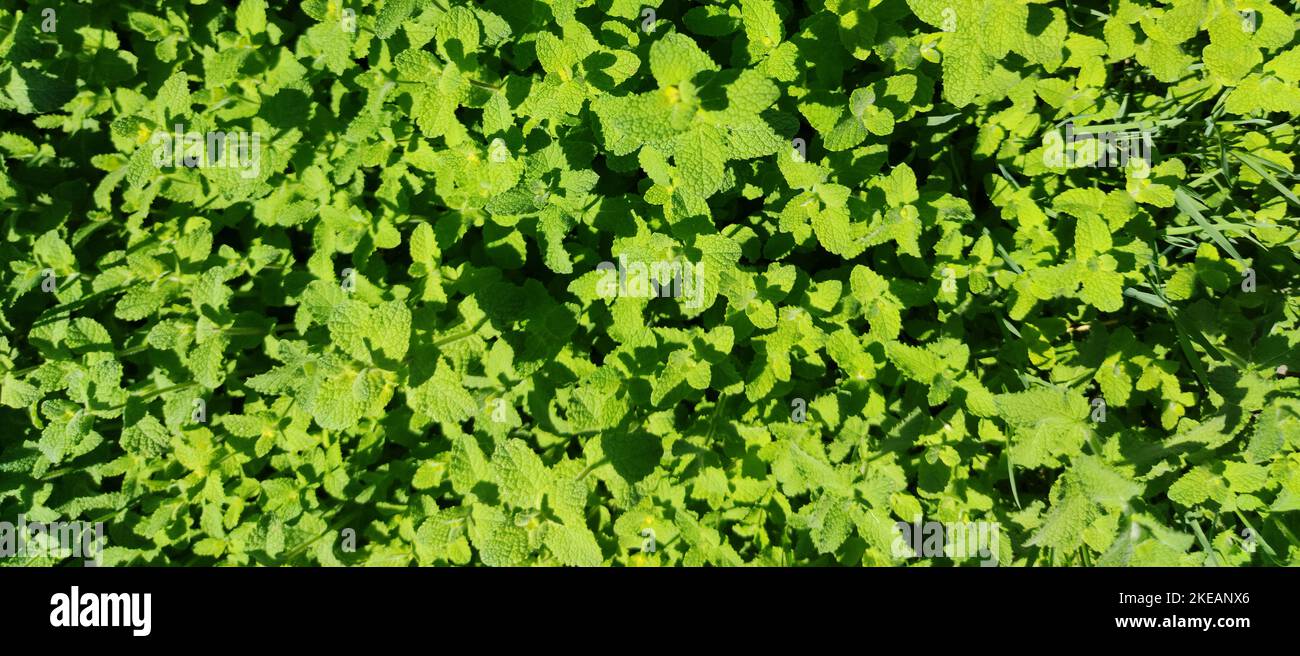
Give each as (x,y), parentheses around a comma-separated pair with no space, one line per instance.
(329,605)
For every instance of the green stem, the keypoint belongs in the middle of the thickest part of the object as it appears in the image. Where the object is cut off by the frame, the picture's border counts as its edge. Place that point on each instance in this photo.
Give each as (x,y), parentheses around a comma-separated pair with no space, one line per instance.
(145,396)
(462,335)
(342,522)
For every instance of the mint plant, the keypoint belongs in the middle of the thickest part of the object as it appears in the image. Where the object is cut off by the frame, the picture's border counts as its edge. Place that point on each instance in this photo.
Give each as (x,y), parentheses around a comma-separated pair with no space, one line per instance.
(652,282)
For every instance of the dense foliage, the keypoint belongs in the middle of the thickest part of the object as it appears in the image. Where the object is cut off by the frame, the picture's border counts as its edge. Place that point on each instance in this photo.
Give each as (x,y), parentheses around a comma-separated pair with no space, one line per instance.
(386,336)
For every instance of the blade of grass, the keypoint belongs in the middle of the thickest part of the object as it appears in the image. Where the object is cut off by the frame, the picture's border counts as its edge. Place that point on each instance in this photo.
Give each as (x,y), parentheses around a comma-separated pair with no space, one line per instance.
(1257,165)
(1150,299)
(1211,558)
(1187,204)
